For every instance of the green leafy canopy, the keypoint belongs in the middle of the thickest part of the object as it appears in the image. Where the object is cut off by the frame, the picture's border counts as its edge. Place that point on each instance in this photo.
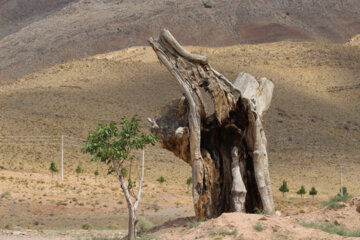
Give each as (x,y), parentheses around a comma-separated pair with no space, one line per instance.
(284,188)
(115,141)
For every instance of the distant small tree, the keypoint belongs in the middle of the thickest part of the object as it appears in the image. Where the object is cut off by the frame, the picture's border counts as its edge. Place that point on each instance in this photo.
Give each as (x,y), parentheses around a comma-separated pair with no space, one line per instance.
(189,181)
(345,192)
(78,170)
(284,188)
(161,180)
(96,173)
(53,169)
(113,145)
(302,191)
(313,192)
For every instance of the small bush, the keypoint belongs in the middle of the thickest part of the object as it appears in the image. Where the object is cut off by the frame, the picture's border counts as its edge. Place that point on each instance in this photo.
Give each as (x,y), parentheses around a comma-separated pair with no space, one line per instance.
(193,224)
(156,207)
(5,195)
(259,227)
(161,179)
(332,229)
(301,191)
(144,224)
(313,192)
(86,226)
(335,202)
(224,232)
(284,188)
(9,226)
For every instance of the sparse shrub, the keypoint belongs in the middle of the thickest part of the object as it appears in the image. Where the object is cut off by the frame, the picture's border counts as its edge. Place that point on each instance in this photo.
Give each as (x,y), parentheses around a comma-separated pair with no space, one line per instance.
(5,195)
(53,169)
(193,224)
(335,202)
(313,192)
(78,170)
(156,207)
(96,173)
(189,181)
(86,226)
(224,232)
(332,228)
(284,188)
(9,226)
(259,227)
(161,180)
(302,191)
(345,192)
(143,224)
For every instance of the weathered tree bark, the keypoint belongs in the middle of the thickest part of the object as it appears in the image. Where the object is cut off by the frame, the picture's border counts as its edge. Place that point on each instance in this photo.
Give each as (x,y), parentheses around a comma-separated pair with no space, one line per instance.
(226,149)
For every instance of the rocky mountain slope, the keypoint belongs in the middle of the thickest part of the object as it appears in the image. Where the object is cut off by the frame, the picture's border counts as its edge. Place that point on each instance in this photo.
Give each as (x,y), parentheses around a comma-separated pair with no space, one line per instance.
(37,34)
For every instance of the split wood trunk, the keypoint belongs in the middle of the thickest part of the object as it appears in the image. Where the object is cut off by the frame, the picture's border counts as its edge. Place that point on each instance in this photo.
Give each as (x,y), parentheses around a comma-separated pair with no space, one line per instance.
(227,148)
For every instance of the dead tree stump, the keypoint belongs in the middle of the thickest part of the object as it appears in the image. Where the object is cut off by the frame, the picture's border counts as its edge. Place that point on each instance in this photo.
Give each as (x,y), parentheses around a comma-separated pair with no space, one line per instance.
(226,149)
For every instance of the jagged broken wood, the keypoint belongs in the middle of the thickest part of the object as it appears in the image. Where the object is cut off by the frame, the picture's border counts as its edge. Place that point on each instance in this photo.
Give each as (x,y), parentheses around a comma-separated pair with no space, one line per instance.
(226,149)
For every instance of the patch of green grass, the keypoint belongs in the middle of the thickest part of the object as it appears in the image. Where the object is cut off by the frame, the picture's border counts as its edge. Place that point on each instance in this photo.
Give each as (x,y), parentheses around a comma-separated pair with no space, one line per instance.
(332,229)
(5,195)
(335,202)
(263,212)
(143,224)
(193,224)
(147,237)
(86,226)
(223,233)
(9,226)
(259,227)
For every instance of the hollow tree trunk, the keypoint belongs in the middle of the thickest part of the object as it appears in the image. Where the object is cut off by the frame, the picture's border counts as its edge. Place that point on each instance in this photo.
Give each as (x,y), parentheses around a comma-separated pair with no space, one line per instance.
(226,149)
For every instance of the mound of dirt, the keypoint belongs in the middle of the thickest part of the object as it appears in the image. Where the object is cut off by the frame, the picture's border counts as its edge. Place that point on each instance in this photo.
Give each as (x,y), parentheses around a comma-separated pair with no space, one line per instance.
(355,41)
(245,226)
(37,34)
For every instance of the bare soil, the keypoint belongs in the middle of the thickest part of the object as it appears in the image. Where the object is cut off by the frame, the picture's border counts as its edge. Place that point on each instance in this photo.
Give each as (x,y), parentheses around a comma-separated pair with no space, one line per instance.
(40,33)
(312,126)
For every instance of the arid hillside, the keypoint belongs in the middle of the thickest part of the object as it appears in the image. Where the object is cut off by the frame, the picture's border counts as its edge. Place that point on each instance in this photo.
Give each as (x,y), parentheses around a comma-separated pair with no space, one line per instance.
(37,34)
(312,125)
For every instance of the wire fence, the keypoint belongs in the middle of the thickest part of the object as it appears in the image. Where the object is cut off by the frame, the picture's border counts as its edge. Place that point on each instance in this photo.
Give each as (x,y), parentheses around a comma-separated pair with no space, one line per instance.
(35,153)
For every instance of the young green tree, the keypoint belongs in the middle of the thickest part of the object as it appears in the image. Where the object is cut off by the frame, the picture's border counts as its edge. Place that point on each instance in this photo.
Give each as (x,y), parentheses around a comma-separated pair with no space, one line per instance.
(161,180)
(78,170)
(189,181)
(313,192)
(302,191)
(345,193)
(113,144)
(284,188)
(96,173)
(53,169)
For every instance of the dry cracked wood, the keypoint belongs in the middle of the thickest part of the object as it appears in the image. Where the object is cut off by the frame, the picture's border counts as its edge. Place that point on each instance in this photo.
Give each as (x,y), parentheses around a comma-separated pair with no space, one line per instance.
(226,149)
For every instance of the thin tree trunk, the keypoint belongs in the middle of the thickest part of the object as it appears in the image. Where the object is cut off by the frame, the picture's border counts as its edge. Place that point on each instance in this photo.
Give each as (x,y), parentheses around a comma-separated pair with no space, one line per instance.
(132,224)
(132,206)
(227,149)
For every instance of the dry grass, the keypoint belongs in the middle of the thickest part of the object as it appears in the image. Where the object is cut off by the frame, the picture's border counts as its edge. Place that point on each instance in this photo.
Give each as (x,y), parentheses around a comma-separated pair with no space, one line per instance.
(312,125)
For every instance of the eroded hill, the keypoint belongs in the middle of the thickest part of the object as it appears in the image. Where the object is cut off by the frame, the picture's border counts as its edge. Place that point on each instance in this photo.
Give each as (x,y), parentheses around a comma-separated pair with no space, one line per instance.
(37,34)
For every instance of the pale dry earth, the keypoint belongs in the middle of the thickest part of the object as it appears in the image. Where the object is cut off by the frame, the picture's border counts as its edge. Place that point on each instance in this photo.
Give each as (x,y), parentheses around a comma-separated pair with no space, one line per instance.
(39,33)
(312,125)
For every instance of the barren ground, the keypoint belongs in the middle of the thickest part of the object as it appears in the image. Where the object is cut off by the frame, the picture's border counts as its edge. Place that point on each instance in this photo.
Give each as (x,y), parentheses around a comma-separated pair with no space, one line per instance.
(312,126)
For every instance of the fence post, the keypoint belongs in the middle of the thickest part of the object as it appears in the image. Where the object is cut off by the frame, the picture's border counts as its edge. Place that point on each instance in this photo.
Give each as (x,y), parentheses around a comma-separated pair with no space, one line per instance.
(62,158)
(341,181)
